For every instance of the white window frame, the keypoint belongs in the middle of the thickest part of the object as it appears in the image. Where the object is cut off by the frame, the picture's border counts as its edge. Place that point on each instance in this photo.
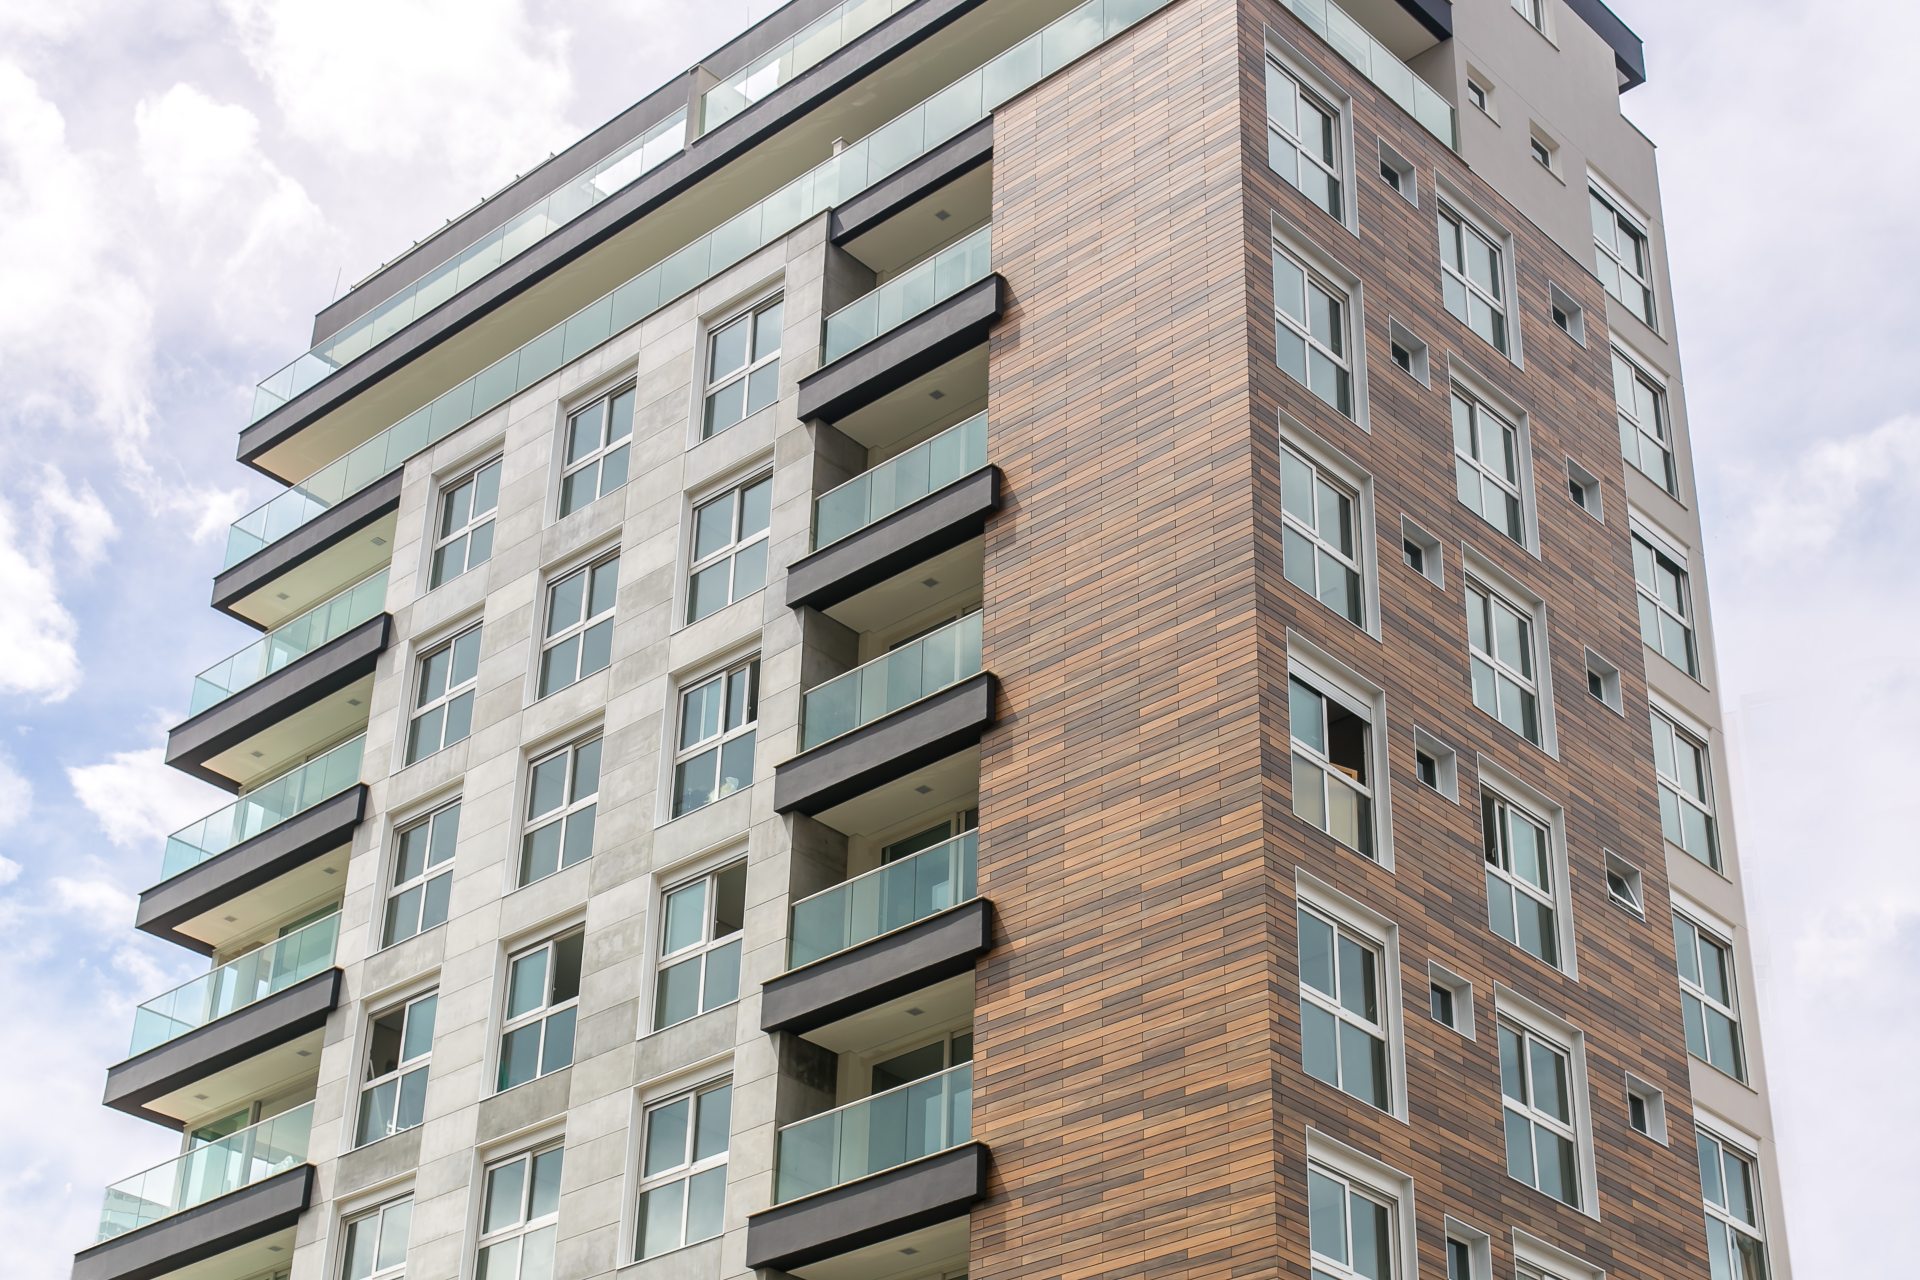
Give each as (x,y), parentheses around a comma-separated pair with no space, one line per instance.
(1325,94)
(1706,931)
(1562,306)
(681,755)
(442,538)
(1478,1246)
(728,554)
(1534,12)
(1454,226)
(1446,764)
(1334,680)
(1517,1010)
(430,870)
(713,382)
(689,1167)
(1379,1182)
(1311,345)
(1632,897)
(1340,473)
(1608,259)
(377,1215)
(573,809)
(1297,243)
(1553,818)
(1609,677)
(1667,719)
(588,570)
(525,1226)
(1541,148)
(402,1069)
(540,1014)
(608,446)
(1653,1101)
(1482,602)
(1503,814)
(1477,568)
(1485,420)
(1745,1149)
(1369,929)
(1405,179)
(1460,991)
(1660,433)
(1659,547)
(1534,1257)
(700,951)
(450,693)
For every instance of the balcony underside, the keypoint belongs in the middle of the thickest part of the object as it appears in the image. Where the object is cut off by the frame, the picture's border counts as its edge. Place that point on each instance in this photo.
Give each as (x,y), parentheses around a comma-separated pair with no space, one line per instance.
(945,164)
(229,1238)
(281,719)
(244,1053)
(939,522)
(905,352)
(886,750)
(922,954)
(823,1236)
(336,548)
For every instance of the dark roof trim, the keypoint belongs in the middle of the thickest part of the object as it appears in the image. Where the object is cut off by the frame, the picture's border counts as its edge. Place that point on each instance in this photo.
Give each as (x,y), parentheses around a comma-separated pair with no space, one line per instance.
(1629,55)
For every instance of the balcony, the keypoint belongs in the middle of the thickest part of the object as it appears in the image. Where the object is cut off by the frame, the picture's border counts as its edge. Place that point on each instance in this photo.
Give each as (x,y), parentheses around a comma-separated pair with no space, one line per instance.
(1353,40)
(894,1165)
(218,1210)
(805,49)
(233,1032)
(923,501)
(854,169)
(288,642)
(260,858)
(918,320)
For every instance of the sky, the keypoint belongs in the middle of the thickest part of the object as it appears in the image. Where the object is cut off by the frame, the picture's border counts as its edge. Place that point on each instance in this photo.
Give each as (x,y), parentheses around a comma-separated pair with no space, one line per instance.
(184,182)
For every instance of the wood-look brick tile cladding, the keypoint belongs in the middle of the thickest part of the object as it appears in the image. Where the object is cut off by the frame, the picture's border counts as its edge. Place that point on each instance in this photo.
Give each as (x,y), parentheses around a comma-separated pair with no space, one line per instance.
(1138,1071)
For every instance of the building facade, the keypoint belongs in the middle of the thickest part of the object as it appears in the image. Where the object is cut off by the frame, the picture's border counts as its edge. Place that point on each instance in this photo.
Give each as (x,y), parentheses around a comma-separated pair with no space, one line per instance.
(1102,670)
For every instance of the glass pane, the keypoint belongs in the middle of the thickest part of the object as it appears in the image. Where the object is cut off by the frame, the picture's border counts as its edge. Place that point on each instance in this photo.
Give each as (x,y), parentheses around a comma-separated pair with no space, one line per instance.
(723,976)
(556,1049)
(677,993)
(1358,993)
(706,1201)
(659,1222)
(1372,1239)
(1520,1147)
(1363,1065)
(505,1187)
(1549,1081)
(1327,1216)
(527,983)
(1305,716)
(713,1123)
(667,1137)
(1319,1046)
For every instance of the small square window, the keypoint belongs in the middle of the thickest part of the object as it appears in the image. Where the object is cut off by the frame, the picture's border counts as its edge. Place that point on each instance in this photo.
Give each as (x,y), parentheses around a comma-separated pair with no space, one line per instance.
(1569,316)
(1623,884)
(1450,999)
(1408,352)
(1421,552)
(1545,152)
(1584,488)
(1603,680)
(1436,765)
(1398,172)
(1480,96)
(1440,1003)
(1646,1109)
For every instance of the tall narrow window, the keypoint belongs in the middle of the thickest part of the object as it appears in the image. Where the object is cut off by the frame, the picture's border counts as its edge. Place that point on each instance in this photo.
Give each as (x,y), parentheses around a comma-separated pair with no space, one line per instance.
(1460,1260)
(597,443)
(1686,791)
(1351,1228)
(1536,1087)
(443,695)
(1534,11)
(579,635)
(519,1217)
(683,1170)
(1709,998)
(399,1044)
(1646,440)
(729,560)
(1521,894)
(1486,465)
(562,794)
(463,537)
(376,1245)
(543,996)
(1311,331)
(1501,654)
(1621,256)
(422,875)
(1303,139)
(1343,1016)
(1319,531)
(714,757)
(1473,278)
(1666,605)
(1730,1184)
(1332,777)
(743,368)
(700,946)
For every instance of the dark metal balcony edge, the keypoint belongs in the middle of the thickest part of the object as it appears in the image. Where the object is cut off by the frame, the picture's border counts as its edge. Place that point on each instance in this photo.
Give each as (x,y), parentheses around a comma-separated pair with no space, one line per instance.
(891,747)
(243,1034)
(1435,15)
(202,1232)
(833,987)
(317,535)
(880,1207)
(918,531)
(1629,53)
(954,158)
(903,353)
(288,691)
(704,157)
(248,865)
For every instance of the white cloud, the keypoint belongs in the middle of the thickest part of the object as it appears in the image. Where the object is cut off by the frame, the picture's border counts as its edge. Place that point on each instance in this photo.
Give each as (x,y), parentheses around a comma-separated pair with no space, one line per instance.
(9,871)
(97,904)
(137,799)
(37,634)
(16,801)
(69,523)
(1835,484)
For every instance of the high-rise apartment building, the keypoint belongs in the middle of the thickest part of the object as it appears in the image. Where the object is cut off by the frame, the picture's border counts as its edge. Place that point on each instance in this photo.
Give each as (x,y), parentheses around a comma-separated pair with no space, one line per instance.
(1006,638)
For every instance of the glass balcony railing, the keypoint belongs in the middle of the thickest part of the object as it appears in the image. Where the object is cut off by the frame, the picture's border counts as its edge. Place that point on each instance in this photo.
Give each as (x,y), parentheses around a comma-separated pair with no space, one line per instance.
(266,806)
(900,481)
(894,145)
(805,49)
(916,289)
(884,899)
(236,984)
(894,680)
(1379,64)
(478,260)
(208,1172)
(923,1118)
(326,621)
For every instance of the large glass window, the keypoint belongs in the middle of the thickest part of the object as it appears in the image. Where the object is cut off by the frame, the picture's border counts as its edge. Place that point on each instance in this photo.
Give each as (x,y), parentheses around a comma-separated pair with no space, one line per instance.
(1666,604)
(443,695)
(700,945)
(1320,536)
(1646,439)
(597,447)
(1621,256)
(1303,138)
(1730,1184)
(563,790)
(1486,465)
(1521,897)
(463,536)
(1351,1228)
(714,755)
(729,558)
(683,1169)
(1536,1087)
(394,1095)
(1500,653)
(422,875)
(1473,277)
(743,367)
(579,634)
(1709,998)
(376,1243)
(1686,790)
(1343,1013)
(1312,330)
(519,1217)
(1332,774)
(543,996)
